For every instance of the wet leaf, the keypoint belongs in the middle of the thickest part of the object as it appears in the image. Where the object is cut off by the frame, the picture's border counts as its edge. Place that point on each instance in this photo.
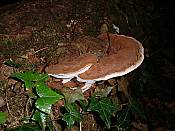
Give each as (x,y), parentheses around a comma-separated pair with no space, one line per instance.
(3,117)
(40,118)
(72,116)
(104,107)
(43,120)
(30,76)
(69,119)
(47,97)
(29,84)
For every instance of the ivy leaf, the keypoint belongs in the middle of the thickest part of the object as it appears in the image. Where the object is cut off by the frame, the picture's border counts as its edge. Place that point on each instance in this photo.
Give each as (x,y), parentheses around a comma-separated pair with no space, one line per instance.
(40,118)
(29,84)
(3,117)
(123,119)
(49,124)
(104,107)
(30,76)
(72,95)
(26,127)
(43,120)
(72,116)
(47,97)
(69,119)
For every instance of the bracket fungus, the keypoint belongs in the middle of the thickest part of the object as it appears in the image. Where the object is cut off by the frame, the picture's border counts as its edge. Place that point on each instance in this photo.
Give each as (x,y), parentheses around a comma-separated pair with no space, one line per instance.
(70,68)
(125,55)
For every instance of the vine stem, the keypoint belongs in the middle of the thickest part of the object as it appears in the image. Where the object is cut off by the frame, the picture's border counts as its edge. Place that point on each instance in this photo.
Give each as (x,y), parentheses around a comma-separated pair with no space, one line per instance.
(80,121)
(80,126)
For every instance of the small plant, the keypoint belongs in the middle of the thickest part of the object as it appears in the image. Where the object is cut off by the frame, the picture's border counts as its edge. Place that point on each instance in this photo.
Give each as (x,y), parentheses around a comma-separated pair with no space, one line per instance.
(44,96)
(75,104)
(104,107)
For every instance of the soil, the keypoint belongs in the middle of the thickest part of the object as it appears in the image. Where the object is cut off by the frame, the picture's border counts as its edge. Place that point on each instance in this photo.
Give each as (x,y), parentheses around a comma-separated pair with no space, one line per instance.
(37,33)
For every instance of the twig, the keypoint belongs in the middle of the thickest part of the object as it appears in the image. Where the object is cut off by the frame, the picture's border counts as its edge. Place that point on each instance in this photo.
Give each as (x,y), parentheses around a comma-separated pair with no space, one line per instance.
(41,50)
(53,122)
(8,108)
(80,121)
(26,107)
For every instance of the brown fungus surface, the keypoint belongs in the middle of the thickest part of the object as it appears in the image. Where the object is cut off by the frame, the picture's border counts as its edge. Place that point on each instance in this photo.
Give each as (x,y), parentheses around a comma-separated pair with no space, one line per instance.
(125,55)
(72,64)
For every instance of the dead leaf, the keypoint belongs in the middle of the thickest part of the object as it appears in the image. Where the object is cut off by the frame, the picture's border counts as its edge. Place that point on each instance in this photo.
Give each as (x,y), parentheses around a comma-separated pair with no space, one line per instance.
(71,84)
(31,56)
(104,28)
(6,72)
(55,85)
(123,85)
(112,82)
(2,102)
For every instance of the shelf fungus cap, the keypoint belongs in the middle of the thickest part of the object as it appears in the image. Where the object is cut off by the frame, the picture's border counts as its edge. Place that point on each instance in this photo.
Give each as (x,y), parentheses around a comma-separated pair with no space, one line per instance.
(126,54)
(70,68)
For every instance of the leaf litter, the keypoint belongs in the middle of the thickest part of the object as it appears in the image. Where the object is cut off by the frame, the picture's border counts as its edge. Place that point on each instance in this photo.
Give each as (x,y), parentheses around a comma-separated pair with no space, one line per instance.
(35,33)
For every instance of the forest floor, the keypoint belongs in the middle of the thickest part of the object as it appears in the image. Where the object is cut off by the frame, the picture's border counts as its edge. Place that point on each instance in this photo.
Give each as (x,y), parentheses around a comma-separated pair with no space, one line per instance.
(32,34)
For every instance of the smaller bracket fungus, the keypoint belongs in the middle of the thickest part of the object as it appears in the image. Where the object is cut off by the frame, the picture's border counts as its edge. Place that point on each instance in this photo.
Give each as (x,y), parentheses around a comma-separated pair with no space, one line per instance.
(125,55)
(71,68)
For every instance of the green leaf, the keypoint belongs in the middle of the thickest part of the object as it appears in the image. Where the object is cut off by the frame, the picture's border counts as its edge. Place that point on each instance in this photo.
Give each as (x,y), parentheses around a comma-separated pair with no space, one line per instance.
(72,116)
(44,104)
(84,105)
(26,127)
(30,76)
(69,119)
(44,91)
(43,120)
(73,110)
(49,125)
(3,117)
(40,118)
(47,97)
(72,95)
(29,84)
(104,107)
(123,119)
